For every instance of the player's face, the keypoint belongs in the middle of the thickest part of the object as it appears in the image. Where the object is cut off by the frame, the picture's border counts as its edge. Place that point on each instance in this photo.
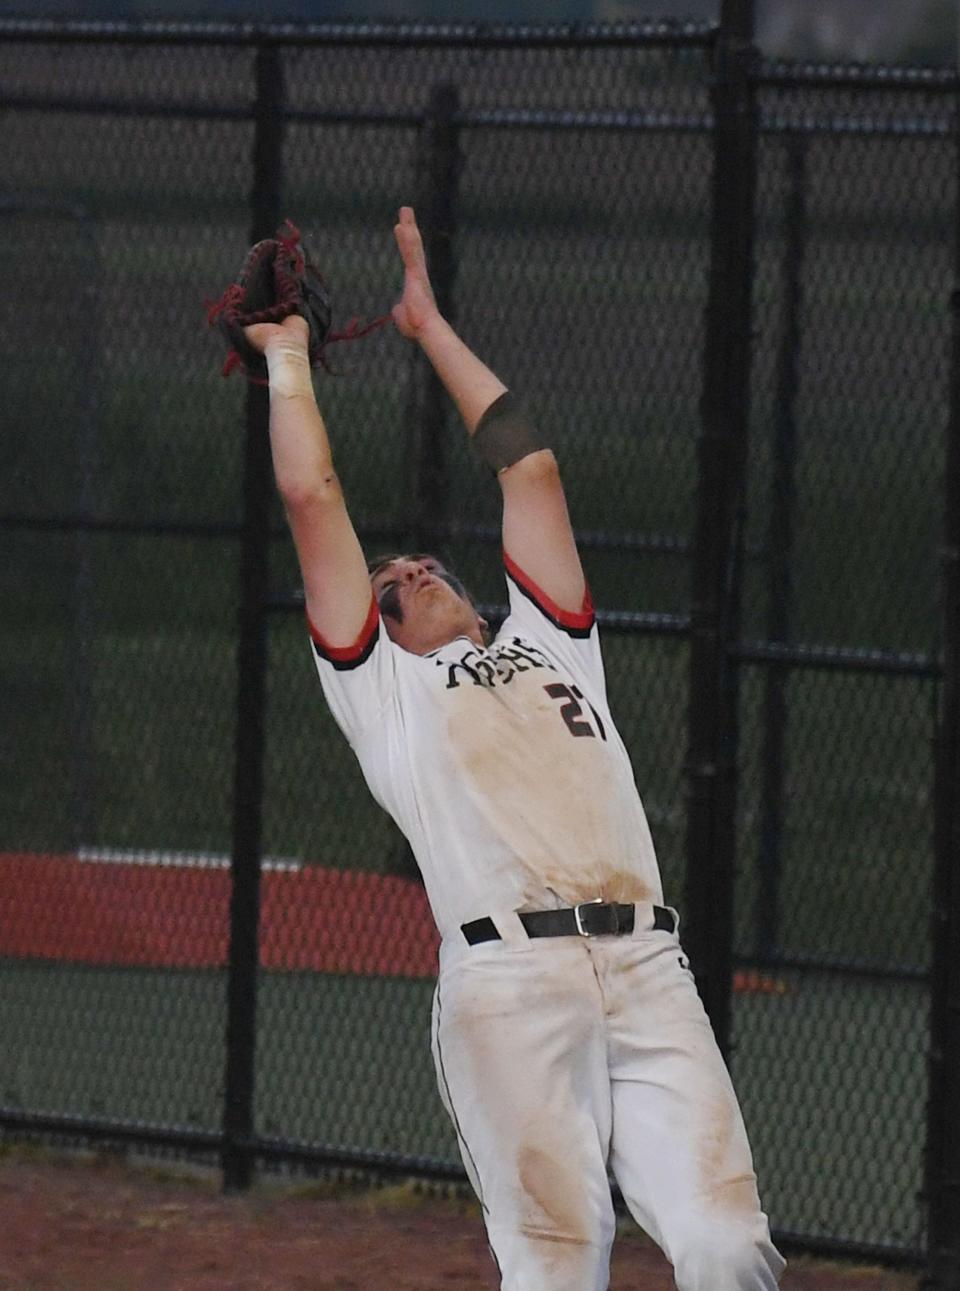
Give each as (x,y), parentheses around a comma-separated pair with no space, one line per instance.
(423,605)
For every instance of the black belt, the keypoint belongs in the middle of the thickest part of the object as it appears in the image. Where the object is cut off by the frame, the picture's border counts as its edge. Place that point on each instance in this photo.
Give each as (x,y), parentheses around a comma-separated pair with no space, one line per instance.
(591,919)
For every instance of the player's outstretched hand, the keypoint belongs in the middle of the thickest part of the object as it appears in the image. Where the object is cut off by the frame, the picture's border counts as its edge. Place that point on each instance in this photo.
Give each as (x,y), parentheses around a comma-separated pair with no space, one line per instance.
(417,307)
(294,328)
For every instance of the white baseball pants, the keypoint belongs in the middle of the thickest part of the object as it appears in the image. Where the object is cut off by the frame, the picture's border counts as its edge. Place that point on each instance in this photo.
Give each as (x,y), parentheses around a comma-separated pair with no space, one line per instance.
(557,1057)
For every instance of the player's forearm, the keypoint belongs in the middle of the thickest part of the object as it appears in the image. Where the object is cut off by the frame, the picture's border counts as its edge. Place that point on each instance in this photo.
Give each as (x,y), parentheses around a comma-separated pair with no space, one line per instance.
(467,379)
(302,459)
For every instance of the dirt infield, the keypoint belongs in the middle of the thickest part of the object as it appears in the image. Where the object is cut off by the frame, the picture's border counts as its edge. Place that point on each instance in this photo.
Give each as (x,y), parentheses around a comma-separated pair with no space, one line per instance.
(83,1222)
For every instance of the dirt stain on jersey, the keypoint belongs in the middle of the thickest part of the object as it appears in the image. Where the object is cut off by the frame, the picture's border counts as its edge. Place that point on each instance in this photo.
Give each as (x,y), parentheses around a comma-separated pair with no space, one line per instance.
(557,800)
(621,885)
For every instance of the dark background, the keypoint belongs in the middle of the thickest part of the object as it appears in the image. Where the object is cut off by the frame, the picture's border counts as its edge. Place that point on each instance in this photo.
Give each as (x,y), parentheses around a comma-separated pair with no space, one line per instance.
(581,268)
(884,31)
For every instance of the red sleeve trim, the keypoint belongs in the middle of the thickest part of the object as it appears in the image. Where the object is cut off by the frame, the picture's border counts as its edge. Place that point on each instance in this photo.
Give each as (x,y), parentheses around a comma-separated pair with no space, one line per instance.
(349,656)
(579,621)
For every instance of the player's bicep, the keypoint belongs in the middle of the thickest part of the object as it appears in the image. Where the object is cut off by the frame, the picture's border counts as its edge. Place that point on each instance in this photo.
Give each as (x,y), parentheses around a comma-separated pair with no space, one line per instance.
(332,563)
(537,533)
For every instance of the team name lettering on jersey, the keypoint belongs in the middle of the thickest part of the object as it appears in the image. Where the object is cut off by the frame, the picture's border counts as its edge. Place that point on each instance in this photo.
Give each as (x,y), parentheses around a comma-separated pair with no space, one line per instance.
(496,666)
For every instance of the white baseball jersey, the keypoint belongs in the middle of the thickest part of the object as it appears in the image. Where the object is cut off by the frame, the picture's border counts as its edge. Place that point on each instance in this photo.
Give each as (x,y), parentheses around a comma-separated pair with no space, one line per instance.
(562,1057)
(501,765)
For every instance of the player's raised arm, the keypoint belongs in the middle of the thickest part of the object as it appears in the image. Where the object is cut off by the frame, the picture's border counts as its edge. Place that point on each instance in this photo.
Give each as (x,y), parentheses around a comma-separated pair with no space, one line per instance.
(536,526)
(332,563)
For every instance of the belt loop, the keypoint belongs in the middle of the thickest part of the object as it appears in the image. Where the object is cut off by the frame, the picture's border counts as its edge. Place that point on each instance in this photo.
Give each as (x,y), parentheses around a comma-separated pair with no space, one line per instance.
(642,919)
(645,921)
(511,930)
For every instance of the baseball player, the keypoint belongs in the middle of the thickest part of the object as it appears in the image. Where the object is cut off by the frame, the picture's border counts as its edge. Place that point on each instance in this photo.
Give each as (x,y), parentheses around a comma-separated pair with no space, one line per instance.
(568,1035)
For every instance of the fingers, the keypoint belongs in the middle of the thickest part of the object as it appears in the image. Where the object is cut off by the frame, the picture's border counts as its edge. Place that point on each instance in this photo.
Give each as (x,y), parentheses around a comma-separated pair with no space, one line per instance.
(297,326)
(409,241)
(417,307)
(294,328)
(258,334)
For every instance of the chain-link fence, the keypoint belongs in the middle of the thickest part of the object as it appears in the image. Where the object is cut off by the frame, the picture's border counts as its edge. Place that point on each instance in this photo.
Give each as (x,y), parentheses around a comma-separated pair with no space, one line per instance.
(857,189)
(568,185)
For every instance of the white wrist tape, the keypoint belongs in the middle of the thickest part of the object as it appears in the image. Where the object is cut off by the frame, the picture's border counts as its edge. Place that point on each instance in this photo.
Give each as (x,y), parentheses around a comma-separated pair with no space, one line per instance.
(289,370)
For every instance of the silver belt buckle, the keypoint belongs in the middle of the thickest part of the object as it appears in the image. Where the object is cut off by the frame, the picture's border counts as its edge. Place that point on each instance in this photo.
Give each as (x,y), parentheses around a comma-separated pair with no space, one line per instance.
(577,919)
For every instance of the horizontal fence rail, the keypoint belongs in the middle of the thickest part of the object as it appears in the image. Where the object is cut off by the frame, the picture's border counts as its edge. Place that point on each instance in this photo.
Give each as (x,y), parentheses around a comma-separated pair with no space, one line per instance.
(671,34)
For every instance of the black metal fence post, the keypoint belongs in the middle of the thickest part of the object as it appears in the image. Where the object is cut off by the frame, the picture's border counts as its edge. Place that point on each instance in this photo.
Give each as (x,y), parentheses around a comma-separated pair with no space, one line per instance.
(83,821)
(251,669)
(942,1164)
(440,177)
(780,555)
(712,740)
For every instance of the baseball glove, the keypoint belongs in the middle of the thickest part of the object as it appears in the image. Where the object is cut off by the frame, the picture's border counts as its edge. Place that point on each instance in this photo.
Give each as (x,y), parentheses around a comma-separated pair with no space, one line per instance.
(277,280)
